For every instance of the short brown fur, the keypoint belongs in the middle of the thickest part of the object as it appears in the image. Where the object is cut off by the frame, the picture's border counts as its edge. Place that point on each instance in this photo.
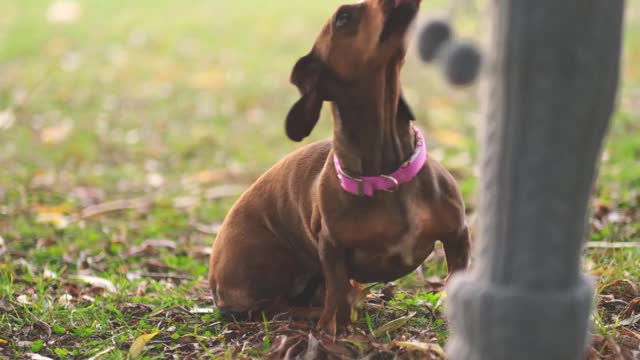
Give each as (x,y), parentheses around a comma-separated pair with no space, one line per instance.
(295,232)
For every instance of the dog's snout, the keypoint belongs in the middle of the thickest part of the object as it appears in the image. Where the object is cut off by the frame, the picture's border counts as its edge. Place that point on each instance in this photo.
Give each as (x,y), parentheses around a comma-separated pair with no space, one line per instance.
(228,314)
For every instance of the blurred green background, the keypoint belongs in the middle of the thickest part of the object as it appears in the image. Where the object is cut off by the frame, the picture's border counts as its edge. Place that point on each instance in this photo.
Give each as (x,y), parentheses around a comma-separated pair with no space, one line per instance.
(175,107)
(99,89)
(189,86)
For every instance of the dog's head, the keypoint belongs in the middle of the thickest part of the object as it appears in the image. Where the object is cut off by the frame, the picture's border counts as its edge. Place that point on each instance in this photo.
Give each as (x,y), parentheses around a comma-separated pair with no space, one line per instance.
(359,40)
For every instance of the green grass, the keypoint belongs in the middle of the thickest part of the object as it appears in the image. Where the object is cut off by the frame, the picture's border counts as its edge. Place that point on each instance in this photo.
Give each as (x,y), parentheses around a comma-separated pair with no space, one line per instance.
(173,102)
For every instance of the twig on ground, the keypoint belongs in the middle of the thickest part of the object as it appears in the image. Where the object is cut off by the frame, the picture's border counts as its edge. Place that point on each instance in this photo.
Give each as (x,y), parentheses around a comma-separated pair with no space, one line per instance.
(207,229)
(167,276)
(116,205)
(103,352)
(612,245)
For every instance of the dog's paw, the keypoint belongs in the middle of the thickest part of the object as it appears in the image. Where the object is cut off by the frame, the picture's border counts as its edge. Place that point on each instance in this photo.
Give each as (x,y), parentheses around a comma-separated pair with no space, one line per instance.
(332,327)
(334,322)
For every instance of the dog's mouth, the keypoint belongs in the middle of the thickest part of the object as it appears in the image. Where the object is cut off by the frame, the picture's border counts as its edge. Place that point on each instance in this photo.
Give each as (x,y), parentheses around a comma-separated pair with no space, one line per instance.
(399,15)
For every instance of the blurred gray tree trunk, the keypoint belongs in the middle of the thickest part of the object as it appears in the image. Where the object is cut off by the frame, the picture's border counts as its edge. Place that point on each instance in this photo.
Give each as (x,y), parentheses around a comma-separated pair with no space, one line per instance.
(552,79)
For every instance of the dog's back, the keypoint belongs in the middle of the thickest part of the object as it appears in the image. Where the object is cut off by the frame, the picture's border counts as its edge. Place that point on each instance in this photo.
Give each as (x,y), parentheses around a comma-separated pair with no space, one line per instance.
(269,225)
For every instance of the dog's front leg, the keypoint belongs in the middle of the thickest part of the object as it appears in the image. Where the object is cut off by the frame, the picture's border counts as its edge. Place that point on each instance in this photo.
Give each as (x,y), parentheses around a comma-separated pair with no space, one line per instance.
(336,313)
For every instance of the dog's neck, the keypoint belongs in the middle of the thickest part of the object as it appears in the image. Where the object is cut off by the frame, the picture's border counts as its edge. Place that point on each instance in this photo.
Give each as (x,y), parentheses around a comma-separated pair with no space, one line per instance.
(369,139)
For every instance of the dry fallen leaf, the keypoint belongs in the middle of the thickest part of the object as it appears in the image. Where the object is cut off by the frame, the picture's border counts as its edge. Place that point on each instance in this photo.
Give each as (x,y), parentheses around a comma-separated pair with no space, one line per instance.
(207,80)
(65,300)
(43,179)
(23,300)
(6,306)
(392,325)
(633,304)
(97,282)
(48,274)
(421,346)
(56,134)
(62,209)
(87,196)
(200,252)
(312,348)
(615,217)
(160,243)
(186,202)
(223,191)
(630,321)
(141,290)
(63,12)
(612,245)
(209,229)
(24,344)
(56,219)
(155,180)
(33,356)
(632,334)
(138,345)
(201,310)
(205,177)
(116,205)
(148,246)
(7,119)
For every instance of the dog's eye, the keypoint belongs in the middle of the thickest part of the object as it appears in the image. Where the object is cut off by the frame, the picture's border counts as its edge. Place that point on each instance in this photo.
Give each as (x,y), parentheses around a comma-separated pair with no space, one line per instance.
(342,19)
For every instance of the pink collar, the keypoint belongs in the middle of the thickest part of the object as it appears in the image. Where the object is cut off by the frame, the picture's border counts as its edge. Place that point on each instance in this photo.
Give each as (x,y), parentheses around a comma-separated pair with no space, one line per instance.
(368,185)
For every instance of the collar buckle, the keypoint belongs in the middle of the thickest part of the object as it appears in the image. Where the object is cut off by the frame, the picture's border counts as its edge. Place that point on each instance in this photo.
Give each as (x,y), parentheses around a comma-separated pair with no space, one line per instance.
(395,183)
(359,181)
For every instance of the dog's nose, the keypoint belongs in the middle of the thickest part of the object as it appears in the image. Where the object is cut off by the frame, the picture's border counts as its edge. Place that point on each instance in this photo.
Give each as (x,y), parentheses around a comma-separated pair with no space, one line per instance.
(229,314)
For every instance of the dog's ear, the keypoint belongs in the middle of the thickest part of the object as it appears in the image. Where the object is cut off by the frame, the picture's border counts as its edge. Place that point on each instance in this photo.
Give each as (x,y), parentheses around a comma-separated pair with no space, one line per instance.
(304,114)
(404,110)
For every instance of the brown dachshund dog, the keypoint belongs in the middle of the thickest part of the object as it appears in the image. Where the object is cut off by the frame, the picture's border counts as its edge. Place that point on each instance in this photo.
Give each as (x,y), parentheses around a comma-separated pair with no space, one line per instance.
(302,228)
